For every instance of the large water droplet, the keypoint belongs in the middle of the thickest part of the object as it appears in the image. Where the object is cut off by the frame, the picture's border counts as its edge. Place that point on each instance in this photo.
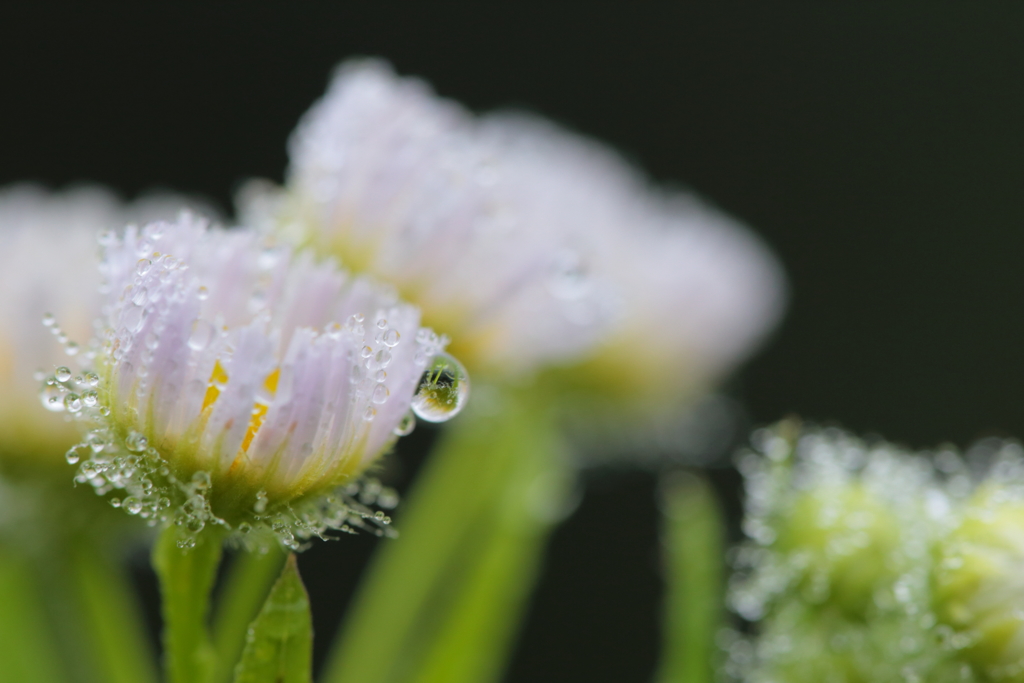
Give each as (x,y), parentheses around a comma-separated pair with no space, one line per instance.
(63,374)
(443,390)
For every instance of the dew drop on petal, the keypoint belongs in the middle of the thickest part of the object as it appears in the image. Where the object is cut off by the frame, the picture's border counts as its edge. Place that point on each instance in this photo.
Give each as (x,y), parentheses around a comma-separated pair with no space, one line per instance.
(143,266)
(203,293)
(406,425)
(49,320)
(443,389)
(140,296)
(202,335)
(63,374)
(380,394)
(391,338)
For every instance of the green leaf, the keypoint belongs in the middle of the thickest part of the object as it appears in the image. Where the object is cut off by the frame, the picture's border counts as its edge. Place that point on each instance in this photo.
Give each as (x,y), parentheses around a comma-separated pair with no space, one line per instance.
(245,589)
(442,602)
(28,653)
(693,537)
(186,578)
(279,648)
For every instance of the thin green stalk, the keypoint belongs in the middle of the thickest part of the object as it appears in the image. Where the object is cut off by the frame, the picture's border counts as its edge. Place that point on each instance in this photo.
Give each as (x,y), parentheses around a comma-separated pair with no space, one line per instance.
(693,538)
(111,619)
(247,585)
(474,640)
(482,501)
(28,652)
(186,579)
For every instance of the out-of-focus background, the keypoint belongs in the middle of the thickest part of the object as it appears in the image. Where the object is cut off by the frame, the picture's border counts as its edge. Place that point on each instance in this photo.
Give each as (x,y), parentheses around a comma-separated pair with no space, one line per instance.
(880,152)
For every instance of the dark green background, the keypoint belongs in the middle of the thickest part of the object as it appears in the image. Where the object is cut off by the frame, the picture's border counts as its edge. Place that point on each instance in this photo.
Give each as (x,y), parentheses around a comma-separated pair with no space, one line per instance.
(879,150)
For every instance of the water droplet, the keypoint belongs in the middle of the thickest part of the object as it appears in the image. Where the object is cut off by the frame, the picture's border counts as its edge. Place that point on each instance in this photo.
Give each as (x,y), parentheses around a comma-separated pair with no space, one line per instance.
(186,543)
(405,425)
(75,454)
(91,378)
(380,394)
(136,442)
(71,348)
(370,413)
(380,376)
(140,296)
(203,293)
(49,320)
(202,334)
(133,505)
(379,361)
(382,323)
(143,266)
(260,506)
(63,374)
(53,399)
(90,398)
(443,390)
(73,403)
(366,352)
(201,480)
(131,317)
(391,338)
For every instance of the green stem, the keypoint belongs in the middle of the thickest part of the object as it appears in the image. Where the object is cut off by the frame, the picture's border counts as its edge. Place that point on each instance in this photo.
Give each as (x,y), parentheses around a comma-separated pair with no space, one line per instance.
(111,618)
(27,650)
(472,535)
(245,590)
(186,579)
(693,537)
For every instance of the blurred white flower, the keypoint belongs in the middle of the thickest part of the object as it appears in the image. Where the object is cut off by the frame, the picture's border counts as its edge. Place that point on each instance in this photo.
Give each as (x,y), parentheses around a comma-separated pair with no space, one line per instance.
(48,265)
(405,186)
(239,380)
(531,246)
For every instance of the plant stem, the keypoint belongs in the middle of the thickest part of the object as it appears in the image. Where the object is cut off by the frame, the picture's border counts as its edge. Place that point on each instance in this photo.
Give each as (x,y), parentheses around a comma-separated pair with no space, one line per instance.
(693,538)
(186,579)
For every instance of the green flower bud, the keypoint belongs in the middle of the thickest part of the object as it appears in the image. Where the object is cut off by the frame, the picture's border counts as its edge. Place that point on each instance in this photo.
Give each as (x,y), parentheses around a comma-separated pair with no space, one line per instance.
(979,583)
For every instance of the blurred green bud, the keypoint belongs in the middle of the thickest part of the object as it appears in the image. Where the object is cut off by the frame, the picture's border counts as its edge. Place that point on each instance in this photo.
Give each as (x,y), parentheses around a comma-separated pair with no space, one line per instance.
(845,540)
(836,523)
(979,582)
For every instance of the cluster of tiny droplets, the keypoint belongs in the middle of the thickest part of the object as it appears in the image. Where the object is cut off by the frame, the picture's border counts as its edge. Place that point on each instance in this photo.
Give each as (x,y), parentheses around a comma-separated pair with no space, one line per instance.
(927,493)
(144,485)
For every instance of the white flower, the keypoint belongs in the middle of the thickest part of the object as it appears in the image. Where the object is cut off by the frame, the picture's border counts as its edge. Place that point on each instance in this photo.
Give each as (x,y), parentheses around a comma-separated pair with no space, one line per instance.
(692,290)
(406,186)
(531,246)
(240,381)
(48,266)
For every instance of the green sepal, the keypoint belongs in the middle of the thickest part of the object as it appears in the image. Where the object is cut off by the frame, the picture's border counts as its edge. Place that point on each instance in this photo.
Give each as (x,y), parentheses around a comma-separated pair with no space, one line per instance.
(279,646)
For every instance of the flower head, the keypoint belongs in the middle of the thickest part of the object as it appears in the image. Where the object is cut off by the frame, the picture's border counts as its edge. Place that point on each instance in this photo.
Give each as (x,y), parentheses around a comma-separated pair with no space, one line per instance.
(242,382)
(869,562)
(533,247)
(410,188)
(48,273)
